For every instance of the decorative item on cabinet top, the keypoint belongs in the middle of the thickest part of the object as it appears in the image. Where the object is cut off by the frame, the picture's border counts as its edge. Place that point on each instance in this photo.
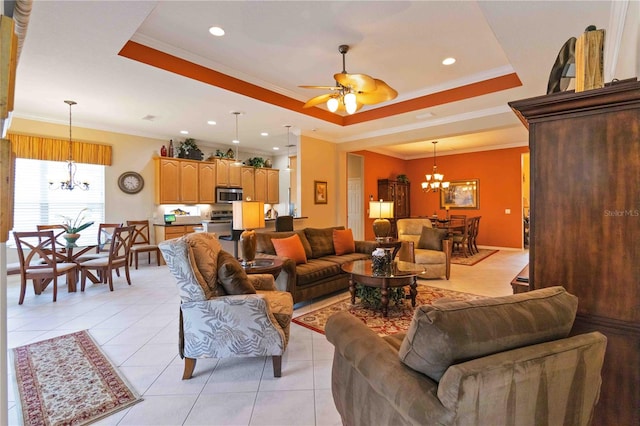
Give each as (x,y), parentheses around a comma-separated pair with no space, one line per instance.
(189,149)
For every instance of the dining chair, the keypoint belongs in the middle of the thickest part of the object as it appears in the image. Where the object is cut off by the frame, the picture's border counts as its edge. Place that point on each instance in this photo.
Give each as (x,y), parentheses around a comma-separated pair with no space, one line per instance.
(118,257)
(39,262)
(105,235)
(461,234)
(59,231)
(284,223)
(473,234)
(141,242)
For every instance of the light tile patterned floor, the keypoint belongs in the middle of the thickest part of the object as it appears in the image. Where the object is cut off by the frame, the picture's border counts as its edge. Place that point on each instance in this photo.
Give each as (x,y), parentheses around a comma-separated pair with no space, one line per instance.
(137,327)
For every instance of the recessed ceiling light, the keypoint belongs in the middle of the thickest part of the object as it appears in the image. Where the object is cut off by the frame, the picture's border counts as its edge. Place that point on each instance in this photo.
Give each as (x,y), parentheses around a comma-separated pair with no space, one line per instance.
(264,134)
(211,122)
(449,61)
(184,132)
(216,31)
(235,141)
(276,148)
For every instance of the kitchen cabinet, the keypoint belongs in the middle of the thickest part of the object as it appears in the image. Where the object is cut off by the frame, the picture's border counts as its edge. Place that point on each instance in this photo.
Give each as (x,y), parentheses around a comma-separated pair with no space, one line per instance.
(583,233)
(181,181)
(207,183)
(228,174)
(168,232)
(267,185)
(248,183)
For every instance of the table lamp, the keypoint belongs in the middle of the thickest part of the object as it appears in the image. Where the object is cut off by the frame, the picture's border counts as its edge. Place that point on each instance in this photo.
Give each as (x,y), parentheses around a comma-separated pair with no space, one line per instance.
(248,215)
(380,211)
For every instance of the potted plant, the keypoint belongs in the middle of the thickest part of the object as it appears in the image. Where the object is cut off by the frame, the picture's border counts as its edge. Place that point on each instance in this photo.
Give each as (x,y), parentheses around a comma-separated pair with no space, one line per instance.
(74,226)
(402,178)
(189,149)
(256,162)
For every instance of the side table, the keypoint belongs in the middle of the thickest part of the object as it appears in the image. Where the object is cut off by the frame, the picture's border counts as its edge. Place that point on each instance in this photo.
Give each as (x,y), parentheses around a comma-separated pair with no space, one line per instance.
(265,266)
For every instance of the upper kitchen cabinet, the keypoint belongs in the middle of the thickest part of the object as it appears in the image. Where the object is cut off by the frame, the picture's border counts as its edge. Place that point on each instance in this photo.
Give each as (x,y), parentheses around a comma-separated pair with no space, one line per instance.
(248,183)
(178,181)
(267,185)
(207,183)
(227,174)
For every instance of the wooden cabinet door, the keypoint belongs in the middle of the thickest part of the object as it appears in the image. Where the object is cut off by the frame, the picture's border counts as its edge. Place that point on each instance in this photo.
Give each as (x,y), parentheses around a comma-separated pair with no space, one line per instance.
(207,183)
(235,175)
(273,186)
(260,185)
(402,200)
(167,181)
(222,172)
(248,183)
(189,182)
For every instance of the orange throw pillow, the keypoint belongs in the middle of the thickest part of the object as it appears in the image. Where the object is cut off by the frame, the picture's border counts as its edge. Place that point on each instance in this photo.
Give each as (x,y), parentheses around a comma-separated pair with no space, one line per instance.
(343,241)
(290,247)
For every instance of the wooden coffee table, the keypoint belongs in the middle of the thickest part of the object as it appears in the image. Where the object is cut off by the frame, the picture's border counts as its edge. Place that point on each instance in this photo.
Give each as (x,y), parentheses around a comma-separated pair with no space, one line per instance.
(403,273)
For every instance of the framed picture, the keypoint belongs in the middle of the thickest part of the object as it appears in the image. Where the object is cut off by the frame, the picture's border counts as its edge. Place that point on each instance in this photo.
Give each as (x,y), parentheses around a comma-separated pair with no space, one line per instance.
(320,191)
(461,194)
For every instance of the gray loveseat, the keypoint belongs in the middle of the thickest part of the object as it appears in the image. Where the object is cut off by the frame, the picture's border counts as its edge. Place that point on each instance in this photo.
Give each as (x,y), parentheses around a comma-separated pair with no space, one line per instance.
(322,273)
(495,361)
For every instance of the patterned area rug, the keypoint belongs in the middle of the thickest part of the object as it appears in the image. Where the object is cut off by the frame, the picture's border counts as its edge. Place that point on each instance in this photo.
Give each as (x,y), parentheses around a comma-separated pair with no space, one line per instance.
(399,316)
(459,259)
(67,380)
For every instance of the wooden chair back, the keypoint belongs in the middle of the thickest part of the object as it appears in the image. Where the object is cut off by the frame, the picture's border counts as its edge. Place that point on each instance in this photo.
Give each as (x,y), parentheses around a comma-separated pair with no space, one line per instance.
(284,223)
(58,231)
(105,236)
(141,232)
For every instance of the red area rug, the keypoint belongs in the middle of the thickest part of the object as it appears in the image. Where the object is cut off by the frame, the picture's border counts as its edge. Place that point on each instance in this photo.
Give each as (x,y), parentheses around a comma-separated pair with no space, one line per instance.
(67,380)
(459,259)
(399,316)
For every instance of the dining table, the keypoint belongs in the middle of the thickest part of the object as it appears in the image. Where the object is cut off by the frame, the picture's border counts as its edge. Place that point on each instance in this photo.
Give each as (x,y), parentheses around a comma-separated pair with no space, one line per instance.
(70,253)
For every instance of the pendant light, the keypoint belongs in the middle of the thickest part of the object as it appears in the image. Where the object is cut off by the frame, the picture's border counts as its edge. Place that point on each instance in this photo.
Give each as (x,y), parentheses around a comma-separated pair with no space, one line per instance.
(435,180)
(71,183)
(236,141)
(289,145)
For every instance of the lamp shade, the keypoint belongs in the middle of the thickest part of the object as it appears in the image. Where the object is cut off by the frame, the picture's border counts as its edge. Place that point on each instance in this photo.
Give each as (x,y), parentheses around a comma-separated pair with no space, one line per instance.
(248,214)
(380,209)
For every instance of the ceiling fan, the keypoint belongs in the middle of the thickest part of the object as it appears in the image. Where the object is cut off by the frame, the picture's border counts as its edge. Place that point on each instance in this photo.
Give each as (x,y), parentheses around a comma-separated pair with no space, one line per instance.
(352,91)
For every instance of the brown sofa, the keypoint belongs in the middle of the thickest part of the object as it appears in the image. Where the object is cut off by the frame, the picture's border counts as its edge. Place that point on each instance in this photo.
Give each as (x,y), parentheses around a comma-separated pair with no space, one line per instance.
(322,274)
(494,361)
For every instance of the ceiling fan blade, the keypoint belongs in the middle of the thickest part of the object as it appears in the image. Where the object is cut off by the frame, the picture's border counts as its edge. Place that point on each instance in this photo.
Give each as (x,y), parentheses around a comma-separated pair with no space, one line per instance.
(318,100)
(383,93)
(321,87)
(358,82)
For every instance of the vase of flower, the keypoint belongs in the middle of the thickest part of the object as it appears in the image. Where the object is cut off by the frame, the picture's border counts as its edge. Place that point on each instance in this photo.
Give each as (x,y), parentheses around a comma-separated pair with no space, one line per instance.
(74,226)
(71,238)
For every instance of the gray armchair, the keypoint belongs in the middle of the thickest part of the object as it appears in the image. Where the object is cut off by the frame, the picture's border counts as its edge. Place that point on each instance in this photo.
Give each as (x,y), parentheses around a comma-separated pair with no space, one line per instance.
(434,253)
(223,312)
(494,361)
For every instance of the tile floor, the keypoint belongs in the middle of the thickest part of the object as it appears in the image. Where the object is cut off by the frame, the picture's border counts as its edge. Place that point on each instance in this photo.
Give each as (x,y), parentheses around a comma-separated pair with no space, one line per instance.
(136,327)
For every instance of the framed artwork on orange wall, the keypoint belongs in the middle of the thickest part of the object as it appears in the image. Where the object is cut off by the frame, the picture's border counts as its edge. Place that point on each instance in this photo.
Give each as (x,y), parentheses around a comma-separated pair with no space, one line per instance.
(320,192)
(461,194)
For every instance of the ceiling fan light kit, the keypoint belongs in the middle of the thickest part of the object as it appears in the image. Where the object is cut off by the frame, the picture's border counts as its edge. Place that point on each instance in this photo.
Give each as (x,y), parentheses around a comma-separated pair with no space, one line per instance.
(352,91)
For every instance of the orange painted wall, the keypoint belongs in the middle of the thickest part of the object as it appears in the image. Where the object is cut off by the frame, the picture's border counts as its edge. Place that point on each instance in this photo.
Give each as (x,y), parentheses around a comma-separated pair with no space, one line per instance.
(499,172)
(377,166)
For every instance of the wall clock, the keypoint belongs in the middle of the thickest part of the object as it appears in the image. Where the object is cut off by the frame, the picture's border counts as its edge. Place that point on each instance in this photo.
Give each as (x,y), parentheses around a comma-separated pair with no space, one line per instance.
(130,182)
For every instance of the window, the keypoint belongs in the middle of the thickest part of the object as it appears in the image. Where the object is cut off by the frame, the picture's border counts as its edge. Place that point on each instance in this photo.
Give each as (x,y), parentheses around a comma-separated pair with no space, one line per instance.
(36,204)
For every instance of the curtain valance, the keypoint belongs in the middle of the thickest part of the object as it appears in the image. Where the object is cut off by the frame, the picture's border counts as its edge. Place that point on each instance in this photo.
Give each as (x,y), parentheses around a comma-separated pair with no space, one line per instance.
(50,149)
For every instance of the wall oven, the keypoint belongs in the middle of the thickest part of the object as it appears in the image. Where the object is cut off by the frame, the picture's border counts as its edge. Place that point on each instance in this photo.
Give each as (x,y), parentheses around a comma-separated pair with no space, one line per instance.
(227,195)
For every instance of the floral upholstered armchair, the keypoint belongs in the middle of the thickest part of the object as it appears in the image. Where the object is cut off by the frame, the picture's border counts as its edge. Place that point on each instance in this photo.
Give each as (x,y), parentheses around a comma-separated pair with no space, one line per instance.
(224,312)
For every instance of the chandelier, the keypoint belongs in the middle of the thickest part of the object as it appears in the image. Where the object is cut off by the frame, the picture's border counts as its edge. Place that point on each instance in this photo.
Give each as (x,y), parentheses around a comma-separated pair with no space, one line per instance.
(434,180)
(71,183)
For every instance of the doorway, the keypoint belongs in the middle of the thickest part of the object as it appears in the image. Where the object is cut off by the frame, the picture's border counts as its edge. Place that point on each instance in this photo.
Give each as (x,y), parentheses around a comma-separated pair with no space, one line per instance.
(355,195)
(526,195)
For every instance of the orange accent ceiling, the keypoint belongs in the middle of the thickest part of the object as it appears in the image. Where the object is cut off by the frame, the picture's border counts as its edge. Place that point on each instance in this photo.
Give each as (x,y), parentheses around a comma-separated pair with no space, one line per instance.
(162,60)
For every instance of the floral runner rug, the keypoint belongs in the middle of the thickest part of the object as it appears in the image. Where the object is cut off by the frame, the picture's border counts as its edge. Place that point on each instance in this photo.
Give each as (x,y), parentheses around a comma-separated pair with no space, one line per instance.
(399,316)
(67,380)
(459,258)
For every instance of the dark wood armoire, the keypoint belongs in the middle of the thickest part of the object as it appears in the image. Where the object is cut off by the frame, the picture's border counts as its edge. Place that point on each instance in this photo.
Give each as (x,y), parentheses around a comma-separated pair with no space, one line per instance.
(585,223)
(399,193)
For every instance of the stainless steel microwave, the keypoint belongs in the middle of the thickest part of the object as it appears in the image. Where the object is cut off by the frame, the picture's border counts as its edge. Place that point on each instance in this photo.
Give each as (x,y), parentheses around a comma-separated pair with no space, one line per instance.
(228,195)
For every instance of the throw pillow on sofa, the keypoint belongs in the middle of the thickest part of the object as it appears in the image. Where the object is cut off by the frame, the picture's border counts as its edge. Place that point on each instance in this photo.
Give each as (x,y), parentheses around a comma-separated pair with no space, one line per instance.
(232,275)
(265,244)
(343,241)
(321,241)
(431,238)
(290,247)
(448,333)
